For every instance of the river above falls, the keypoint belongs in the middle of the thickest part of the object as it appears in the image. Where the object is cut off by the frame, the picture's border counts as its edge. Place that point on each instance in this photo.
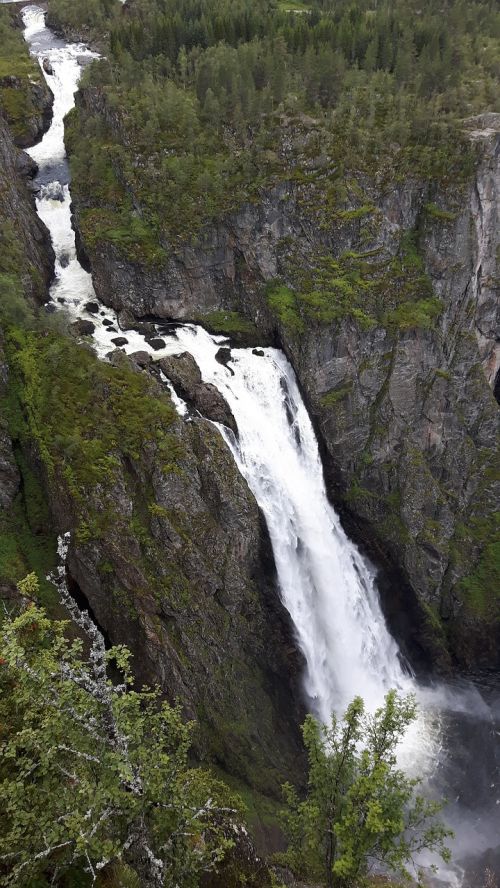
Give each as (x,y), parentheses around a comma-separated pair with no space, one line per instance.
(327,586)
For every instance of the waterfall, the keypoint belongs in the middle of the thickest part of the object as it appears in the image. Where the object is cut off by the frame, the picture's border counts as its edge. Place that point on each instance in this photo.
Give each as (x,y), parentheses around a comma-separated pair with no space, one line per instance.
(327,586)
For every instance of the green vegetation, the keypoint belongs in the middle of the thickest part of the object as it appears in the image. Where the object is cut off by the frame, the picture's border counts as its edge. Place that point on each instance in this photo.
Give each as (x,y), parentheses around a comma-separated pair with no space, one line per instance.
(26,540)
(368,288)
(73,420)
(203,103)
(82,415)
(360,807)
(230,322)
(18,74)
(95,777)
(482,587)
(435,212)
(284,304)
(332,398)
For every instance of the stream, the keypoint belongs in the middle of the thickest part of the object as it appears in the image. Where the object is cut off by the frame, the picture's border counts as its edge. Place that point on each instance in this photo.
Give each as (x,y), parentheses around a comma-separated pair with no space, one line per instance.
(327,586)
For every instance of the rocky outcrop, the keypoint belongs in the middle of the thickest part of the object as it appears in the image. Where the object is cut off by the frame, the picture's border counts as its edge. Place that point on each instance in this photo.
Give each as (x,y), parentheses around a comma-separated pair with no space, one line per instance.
(485,206)
(24,240)
(38,103)
(404,407)
(182,370)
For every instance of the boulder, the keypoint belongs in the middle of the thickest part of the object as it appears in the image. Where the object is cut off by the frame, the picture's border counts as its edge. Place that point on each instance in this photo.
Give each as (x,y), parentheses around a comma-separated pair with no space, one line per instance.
(155,342)
(92,307)
(141,358)
(83,327)
(127,321)
(223,356)
(47,66)
(119,341)
(211,404)
(184,373)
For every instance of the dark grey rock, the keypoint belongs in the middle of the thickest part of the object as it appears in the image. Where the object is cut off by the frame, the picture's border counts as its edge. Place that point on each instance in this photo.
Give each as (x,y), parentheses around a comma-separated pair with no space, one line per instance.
(92,307)
(119,341)
(184,373)
(127,321)
(141,358)
(18,206)
(156,343)
(82,327)
(223,356)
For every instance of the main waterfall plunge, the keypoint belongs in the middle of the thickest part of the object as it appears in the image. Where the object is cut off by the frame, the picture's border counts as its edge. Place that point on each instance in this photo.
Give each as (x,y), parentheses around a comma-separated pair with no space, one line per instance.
(326,585)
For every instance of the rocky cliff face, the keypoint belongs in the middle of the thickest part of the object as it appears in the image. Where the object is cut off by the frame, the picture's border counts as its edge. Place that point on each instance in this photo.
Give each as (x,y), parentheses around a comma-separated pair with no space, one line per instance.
(399,382)
(168,547)
(25,245)
(180,571)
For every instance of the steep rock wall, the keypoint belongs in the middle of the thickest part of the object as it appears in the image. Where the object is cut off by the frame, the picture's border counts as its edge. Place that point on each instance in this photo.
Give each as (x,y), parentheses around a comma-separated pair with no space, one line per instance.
(168,547)
(403,403)
(26,250)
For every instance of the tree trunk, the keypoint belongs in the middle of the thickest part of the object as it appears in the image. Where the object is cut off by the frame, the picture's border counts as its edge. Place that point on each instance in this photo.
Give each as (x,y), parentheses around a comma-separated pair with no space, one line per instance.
(329,859)
(141,858)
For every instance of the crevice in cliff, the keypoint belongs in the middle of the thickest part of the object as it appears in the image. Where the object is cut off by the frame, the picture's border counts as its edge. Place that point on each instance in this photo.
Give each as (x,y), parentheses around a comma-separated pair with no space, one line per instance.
(496,387)
(76,592)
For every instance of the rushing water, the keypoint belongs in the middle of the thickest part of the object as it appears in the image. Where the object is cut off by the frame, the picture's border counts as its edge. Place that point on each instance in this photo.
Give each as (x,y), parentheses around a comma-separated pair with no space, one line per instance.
(326,585)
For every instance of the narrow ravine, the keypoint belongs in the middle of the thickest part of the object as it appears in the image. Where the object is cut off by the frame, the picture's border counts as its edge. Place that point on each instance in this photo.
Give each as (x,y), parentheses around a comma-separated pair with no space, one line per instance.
(327,586)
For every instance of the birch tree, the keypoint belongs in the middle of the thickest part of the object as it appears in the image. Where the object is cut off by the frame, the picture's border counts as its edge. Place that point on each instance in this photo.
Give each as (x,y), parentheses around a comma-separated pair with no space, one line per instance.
(93,772)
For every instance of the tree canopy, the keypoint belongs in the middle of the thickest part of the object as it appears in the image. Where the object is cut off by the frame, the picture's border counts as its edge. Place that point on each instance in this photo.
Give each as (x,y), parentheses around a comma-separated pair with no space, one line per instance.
(201,103)
(361,810)
(93,773)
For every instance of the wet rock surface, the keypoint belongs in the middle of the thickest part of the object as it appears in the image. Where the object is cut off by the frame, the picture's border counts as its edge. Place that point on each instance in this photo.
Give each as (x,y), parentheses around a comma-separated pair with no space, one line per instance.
(82,327)
(183,372)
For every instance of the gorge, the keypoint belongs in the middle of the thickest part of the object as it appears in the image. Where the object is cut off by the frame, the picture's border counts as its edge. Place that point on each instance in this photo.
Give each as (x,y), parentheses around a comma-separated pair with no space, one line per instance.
(209,544)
